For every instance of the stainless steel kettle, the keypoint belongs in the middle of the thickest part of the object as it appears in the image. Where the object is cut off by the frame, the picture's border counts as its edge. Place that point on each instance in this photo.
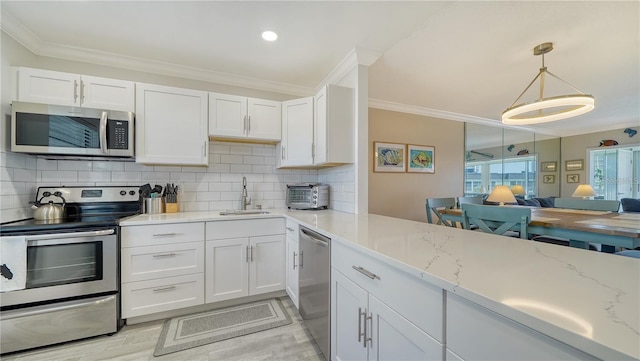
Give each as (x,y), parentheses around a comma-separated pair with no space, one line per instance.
(49,211)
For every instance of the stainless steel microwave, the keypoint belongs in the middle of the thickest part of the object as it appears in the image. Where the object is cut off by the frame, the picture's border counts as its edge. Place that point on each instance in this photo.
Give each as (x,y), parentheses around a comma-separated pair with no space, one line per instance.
(64,130)
(307,196)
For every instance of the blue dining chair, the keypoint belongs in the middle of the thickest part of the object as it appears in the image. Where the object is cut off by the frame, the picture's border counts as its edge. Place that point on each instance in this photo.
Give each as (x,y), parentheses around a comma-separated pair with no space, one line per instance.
(629,253)
(433,205)
(510,221)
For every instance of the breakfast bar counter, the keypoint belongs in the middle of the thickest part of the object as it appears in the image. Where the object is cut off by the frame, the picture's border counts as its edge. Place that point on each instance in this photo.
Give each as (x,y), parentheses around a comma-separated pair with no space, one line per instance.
(587,300)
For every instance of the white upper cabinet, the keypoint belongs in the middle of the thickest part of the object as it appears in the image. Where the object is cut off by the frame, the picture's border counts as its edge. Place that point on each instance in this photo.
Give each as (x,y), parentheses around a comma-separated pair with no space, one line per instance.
(296,147)
(171,125)
(53,87)
(241,118)
(334,126)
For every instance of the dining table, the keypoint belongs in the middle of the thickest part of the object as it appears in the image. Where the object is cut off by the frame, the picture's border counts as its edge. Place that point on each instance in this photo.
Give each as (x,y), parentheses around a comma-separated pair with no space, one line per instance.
(580,227)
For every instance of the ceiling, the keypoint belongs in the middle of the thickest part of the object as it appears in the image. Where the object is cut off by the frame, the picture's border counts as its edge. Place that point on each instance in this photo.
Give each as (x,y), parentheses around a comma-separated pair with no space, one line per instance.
(461,60)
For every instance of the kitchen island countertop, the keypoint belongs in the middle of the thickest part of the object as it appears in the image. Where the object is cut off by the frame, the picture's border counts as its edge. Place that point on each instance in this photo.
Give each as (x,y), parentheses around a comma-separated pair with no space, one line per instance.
(589,300)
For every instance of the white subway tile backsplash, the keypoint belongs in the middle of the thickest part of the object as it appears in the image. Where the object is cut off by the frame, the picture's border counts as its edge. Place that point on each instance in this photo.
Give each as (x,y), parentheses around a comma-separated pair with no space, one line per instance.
(209,177)
(94,176)
(136,167)
(59,176)
(219,148)
(231,159)
(240,168)
(220,187)
(108,166)
(119,177)
(46,164)
(6,174)
(220,168)
(240,149)
(75,165)
(151,177)
(216,187)
(252,159)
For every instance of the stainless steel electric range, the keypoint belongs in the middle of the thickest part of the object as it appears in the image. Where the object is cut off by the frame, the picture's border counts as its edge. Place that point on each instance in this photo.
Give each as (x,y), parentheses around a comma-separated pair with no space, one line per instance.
(70,275)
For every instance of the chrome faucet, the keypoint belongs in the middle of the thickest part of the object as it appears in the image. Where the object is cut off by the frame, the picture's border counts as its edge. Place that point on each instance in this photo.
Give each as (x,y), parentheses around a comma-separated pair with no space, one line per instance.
(245,200)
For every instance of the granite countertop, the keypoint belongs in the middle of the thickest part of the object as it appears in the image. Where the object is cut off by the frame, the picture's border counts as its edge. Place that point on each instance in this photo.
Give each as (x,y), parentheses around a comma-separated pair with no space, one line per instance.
(587,299)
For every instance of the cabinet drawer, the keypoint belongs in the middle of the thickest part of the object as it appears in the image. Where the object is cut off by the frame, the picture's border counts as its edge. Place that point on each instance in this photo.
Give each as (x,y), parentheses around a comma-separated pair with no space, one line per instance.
(147,297)
(291,229)
(151,262)
(423,306)
(244,228)
(136,236)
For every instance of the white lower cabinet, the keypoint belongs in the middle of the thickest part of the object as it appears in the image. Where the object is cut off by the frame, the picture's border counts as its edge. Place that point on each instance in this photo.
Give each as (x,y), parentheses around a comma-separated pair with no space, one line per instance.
(477,333)
(162,268)
(250,261)
(293,261)
(372,317)
(367,329)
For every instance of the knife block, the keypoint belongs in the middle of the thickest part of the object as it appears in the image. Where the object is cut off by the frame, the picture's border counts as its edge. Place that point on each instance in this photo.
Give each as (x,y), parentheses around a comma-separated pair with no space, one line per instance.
(171,207)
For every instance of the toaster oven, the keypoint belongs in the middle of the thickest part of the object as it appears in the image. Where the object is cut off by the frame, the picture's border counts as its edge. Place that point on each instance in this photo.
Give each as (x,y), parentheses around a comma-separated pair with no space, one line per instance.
(307,196)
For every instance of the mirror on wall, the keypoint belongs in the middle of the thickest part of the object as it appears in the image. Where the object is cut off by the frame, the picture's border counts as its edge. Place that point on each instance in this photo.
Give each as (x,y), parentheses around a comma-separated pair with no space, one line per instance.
(496,155)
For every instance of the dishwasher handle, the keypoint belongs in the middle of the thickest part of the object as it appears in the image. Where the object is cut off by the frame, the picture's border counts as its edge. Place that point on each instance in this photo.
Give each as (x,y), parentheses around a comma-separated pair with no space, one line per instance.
(314,237)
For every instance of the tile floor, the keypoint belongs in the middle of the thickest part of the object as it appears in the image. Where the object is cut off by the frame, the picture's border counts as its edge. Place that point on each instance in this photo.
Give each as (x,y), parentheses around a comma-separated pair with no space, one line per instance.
(137,342)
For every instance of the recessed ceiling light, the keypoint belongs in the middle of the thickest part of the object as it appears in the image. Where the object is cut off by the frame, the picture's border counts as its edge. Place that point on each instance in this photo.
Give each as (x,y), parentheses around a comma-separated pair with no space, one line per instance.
(269,35)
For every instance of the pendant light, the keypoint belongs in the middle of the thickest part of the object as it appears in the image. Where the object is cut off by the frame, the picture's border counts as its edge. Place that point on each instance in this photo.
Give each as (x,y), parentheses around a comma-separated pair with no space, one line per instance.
(547,109)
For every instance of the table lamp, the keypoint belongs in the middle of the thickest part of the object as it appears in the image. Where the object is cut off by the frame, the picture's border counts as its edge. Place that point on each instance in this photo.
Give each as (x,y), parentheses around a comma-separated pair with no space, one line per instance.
(518,189)
(585,191)
(501,194)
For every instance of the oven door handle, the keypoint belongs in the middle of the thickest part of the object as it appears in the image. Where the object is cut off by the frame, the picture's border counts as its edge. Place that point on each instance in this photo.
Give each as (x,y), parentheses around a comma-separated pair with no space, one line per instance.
(42,237)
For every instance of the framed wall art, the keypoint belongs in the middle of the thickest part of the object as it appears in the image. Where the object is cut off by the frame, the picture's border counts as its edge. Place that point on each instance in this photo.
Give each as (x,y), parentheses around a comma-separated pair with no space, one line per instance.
(420,159)
(577,164)
(389,157)
(548,166)
(573,178)
(548,179)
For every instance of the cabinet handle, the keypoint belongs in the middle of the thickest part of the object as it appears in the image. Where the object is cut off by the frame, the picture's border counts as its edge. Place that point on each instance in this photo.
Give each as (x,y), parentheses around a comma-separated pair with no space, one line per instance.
(360,333)
(283,152)
(313,151)
(289,229)
(244,125)
(369,338)
(165,235)
(204,149)
(251,252)
(300,261)
(164,289)
(247,254)
(75,90)
(366,272)
(249,126)
(81,91)
(294,261)
(164,255)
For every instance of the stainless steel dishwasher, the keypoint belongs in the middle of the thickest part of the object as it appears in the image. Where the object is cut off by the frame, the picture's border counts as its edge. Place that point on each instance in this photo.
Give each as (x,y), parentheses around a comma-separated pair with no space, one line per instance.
(315,286)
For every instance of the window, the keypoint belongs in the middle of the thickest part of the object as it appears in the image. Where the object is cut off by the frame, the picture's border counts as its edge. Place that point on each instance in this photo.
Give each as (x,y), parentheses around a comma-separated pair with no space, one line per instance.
(614,172)
(483,176)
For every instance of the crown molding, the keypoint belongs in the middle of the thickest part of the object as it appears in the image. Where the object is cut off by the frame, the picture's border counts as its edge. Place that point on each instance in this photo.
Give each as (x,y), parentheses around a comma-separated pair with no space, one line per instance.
(24,36)
(443,114)
(357,56)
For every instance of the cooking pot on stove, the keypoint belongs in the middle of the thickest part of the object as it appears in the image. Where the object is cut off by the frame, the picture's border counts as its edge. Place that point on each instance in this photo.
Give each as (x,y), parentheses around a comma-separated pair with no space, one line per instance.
(49,211)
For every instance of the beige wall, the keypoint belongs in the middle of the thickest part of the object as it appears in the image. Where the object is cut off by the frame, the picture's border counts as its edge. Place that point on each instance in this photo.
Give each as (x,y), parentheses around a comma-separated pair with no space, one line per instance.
(576,147)
(403,195)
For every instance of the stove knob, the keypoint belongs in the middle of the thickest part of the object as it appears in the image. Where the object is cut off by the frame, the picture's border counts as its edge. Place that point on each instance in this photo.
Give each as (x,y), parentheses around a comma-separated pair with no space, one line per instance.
(123,193)
(132,193)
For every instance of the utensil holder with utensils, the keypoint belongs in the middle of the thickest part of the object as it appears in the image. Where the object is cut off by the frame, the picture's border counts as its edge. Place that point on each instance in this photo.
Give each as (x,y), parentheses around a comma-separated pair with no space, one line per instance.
(153,205)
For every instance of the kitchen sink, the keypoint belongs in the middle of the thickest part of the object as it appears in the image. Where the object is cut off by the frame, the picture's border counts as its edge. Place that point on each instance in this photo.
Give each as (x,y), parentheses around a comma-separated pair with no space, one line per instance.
(243,212)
